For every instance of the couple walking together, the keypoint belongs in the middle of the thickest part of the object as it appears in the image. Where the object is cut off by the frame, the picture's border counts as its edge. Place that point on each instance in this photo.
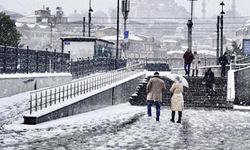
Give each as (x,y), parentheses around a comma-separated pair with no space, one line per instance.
(155,87)
(190,58)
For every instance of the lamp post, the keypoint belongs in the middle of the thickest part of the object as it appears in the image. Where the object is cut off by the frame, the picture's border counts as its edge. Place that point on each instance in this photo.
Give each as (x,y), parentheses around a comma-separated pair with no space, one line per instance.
(90,11)
(190,26)
(117,30)
(221,21)
(218,40)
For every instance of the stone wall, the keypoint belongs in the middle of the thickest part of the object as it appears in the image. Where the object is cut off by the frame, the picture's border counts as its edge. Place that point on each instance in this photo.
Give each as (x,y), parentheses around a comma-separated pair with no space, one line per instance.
(242,87)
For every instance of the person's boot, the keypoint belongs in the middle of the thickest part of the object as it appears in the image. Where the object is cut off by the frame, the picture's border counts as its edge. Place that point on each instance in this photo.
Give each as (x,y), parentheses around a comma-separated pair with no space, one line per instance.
(172,116)
(179,116)
(157,119)
(193,73)
(196,73)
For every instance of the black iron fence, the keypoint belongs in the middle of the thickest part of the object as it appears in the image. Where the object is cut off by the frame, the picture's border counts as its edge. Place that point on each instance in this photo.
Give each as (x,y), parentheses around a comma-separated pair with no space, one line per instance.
(83,67)
(17,60)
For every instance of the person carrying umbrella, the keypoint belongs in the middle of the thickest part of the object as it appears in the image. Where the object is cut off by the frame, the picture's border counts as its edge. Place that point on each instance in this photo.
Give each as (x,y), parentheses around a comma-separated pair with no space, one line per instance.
(177,101)
(155,88)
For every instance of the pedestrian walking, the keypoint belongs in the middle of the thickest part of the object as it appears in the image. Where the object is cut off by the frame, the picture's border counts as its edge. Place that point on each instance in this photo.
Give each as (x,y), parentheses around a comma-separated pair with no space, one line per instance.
(195,64)
(188,58)
(177,100)
(223,62)
(210,82)
(155,87)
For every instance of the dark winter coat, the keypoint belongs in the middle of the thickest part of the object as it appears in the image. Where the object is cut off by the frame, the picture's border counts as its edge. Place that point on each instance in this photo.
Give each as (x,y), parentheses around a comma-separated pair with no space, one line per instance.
(223,60)
(209,77)
(188,57)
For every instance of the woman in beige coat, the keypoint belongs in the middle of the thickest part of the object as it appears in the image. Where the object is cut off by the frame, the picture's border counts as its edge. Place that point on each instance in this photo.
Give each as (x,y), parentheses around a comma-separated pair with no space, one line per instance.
(195,64)
(177,102)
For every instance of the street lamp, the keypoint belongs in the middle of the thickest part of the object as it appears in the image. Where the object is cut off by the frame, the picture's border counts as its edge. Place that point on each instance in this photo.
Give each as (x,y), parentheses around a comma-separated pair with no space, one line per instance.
(222,13)
(190,26)
(90,10)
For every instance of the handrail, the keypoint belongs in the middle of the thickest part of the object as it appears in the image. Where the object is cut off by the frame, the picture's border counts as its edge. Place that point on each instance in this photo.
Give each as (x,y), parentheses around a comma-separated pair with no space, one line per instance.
(87,77)
(243,60)
(41,99)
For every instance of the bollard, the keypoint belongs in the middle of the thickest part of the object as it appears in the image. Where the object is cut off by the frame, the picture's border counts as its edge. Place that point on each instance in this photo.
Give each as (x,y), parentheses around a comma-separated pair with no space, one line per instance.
(46,99)
(41,100)
(30,103)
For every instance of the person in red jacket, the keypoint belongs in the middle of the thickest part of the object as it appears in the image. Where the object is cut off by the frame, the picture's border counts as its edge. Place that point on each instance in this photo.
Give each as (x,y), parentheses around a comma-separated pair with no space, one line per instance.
(188,58)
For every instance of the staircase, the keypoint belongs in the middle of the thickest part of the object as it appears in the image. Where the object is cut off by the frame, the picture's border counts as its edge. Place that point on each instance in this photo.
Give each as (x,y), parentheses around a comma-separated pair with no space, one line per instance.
(194,96)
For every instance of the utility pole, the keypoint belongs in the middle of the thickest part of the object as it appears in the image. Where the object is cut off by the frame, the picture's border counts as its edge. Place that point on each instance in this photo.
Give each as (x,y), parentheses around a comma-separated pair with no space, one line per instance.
(218,39)
(51,35)
(117,30)
(83,26)
(190,26)
(90,10)
(222,13)
(125,11)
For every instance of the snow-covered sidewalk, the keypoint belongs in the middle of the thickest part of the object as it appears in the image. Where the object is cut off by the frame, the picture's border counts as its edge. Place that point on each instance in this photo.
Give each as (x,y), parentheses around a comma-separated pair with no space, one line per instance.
(124,127)
(20,136)
(127,127)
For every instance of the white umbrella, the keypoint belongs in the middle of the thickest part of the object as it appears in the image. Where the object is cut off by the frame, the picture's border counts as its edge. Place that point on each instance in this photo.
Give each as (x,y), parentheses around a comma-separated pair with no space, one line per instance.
(179,78)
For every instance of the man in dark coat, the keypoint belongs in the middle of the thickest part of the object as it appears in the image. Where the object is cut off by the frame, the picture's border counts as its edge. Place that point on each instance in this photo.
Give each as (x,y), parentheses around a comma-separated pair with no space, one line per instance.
(223,62)
(188,58)
(210,81)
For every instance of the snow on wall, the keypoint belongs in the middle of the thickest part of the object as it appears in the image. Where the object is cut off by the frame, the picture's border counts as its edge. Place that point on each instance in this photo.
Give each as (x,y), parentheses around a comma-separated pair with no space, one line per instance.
(242,86)
(14,84)
(111,95)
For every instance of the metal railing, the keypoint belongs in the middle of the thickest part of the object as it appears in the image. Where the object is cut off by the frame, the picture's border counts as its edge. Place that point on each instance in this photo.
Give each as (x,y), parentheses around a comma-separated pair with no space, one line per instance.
(18,60)
(44,98)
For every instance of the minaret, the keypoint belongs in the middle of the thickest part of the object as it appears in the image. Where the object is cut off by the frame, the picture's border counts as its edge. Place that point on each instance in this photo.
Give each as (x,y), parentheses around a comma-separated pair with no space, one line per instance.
(234,8)
(204,9)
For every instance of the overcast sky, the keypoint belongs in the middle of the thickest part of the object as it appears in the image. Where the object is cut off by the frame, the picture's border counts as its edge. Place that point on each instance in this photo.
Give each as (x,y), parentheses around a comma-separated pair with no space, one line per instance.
(28,6)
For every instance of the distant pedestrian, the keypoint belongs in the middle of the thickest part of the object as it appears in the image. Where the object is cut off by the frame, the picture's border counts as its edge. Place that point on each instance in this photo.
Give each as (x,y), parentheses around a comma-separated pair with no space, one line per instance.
(177,101)
(210,82)
(195,64)
(223,62)
(155,87)
(188,58)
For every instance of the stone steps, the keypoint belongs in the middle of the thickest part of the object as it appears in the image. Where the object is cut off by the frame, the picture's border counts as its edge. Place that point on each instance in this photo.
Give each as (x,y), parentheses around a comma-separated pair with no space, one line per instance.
(194,96)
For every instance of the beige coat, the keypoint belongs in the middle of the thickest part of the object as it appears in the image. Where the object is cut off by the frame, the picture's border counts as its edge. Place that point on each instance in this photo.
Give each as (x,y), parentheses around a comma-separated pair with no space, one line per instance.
(195,62)
(177,102)
(155,87)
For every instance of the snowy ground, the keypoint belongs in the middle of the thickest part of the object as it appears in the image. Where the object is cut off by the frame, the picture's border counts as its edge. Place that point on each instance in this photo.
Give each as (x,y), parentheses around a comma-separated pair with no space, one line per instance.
(124,127)
(128,127)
